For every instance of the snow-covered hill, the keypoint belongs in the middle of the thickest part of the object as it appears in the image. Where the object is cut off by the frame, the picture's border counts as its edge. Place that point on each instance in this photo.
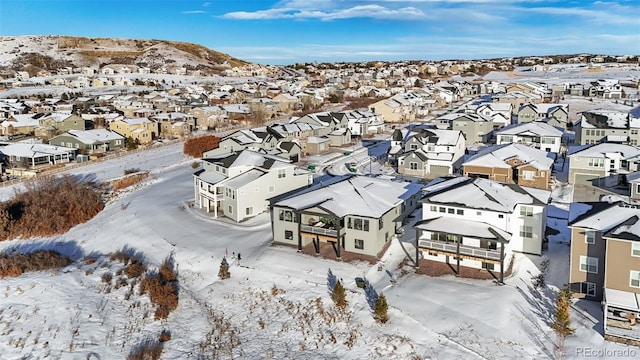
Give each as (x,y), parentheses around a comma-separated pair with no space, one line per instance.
(54,52)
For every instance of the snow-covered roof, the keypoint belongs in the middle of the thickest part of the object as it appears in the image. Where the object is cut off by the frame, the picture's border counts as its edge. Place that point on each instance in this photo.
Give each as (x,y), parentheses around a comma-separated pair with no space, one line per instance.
(358,195)
(617,220)
(497,156)
(485,194)
(602,149)
(34,150)
(243,179)
(95,135)
(466,228)
(535,127)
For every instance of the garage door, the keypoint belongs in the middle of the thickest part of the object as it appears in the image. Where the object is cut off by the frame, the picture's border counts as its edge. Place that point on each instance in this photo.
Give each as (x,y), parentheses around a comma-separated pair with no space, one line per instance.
(584,179)
(438,170)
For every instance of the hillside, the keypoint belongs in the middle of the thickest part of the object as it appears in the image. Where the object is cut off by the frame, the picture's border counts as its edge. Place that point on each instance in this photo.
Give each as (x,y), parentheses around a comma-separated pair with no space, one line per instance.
(34,53)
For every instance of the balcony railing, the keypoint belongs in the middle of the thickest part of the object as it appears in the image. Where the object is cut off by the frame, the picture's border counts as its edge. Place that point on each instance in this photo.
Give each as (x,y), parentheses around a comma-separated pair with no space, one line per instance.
(319,230)
(209,195)
(464,249)
(631,333)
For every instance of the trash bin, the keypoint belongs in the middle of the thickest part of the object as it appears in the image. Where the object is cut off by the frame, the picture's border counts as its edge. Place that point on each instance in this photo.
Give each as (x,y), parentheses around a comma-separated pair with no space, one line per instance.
(360,282)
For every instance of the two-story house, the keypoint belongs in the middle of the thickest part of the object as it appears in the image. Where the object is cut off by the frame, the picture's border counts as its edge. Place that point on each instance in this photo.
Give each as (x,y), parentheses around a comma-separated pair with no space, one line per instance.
(430,153)
(553,114)
(477,129)
(141,129)
(596,162)
(535,134)
(605,262)
(602,125)
(53,124)
(512,164)
(499,113)
(358,214)
(239,185)
(479,223)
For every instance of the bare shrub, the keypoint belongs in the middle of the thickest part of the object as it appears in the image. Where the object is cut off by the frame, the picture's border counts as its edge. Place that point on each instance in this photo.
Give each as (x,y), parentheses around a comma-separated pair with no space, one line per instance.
(107,277)
(129,180)
(149,349)
(15,264)
(48,206)
(162,288)
(165,336)
(131,171)
(197,146)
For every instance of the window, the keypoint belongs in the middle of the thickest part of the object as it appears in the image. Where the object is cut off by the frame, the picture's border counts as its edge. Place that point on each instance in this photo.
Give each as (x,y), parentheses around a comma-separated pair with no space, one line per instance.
(479,213)
(431,148)
(442,209)
(349,226)
(413,147)
(526,211)
(590,237)
(282,173)
(288,235)
(506,139)
(459,212)
(635,249)
(487,266)
(433,208)
(547,140)
(588,288)
(528,174)
(366,225)
(500,216)
(357,224)
(413,165)
(634,279)
(589,264)
(286,215)
(359,244)
(596,162)
(526,231)
(451,210)
(272,188)
(230,209)
(249,210)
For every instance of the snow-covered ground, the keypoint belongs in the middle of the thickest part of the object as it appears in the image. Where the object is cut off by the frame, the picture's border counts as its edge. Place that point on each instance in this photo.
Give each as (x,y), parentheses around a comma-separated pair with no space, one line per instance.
(276,303)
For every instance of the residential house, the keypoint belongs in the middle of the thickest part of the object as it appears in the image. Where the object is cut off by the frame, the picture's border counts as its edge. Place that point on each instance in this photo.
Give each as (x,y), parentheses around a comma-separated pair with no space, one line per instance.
(358,214)
(605,262)
(601,164)
(535,134)
(477,129)
(603,125)
(403,107)
(606,89)
(31,155)
(174,125)
(430,153)
(553,114)
(54,124)
(512,164)
(142,130)
(517,99)
(23,124)
(499,113)
(288,103)
(208,117)
(239,185)
(90,141)
(363,122)
(479,223)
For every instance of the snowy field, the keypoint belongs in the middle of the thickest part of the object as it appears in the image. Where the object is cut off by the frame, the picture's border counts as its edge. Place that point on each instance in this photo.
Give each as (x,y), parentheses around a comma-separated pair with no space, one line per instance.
(68,314)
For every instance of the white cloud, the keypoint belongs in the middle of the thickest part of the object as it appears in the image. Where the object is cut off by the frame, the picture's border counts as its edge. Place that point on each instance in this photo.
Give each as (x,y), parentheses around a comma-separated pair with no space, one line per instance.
(193,12)
(368,11)
(621,16)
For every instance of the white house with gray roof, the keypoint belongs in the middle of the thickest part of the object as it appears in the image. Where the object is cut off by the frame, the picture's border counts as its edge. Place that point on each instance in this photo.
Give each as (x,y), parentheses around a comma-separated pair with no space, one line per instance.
(358,214)
(429,153)
(603,125)
(238,185)
(479,223)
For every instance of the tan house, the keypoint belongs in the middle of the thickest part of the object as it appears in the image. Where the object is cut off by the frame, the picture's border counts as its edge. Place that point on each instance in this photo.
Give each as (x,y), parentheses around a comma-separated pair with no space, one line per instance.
(24,124)
(140,129)
(600,161)
(57,123)
(511,164)
(605,263)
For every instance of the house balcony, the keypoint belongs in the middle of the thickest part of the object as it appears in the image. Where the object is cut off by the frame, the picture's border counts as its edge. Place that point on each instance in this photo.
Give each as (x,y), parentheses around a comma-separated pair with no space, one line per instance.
(466,251)
(211,196)
(323,230)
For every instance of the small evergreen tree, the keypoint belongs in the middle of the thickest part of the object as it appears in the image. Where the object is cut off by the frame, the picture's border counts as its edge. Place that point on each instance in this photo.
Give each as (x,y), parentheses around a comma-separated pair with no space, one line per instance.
(338,295)
(381,309)
(332,280)
(224,273)
(131,143)
(561,321)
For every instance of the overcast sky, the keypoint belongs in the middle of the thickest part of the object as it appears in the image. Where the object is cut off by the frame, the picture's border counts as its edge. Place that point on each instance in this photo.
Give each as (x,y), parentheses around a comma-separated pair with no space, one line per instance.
(291,31)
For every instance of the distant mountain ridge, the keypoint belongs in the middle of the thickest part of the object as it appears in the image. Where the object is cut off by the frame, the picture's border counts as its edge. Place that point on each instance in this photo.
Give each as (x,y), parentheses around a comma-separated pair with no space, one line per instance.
(35,53)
